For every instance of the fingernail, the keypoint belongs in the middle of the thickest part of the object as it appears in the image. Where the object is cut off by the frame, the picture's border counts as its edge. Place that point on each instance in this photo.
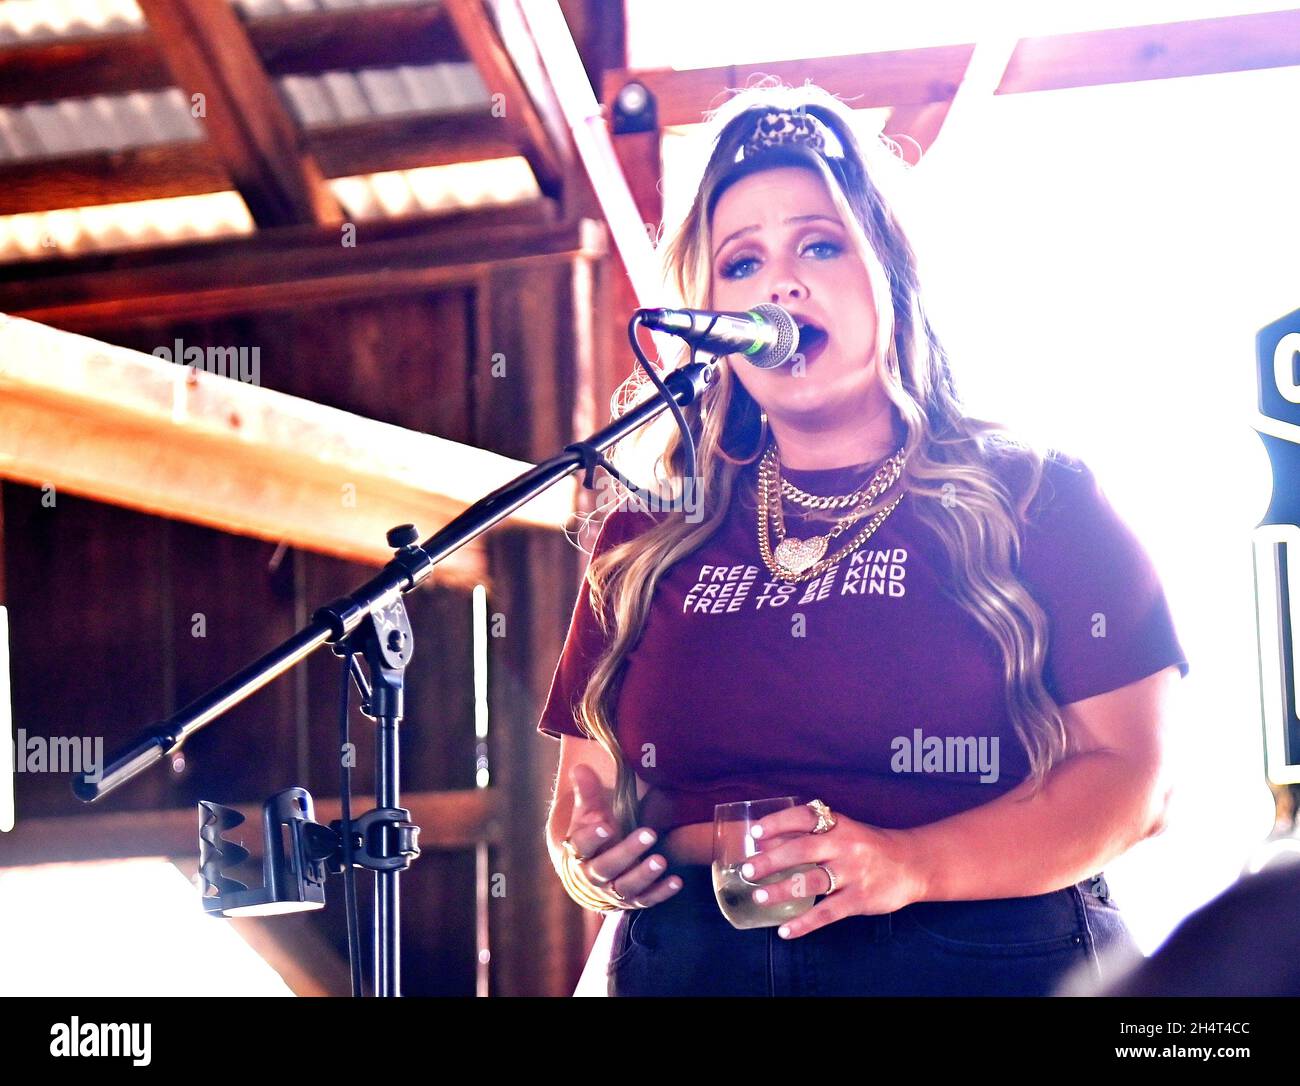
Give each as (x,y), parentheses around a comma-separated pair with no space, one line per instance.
(601,831)
(646,838)
(675,883)
(655,865)
(760,896)
(756,831)
(747,871)
(784,931)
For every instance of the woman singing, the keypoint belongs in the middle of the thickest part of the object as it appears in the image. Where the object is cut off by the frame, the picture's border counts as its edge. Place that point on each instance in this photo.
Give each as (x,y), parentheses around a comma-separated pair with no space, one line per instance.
(942,641)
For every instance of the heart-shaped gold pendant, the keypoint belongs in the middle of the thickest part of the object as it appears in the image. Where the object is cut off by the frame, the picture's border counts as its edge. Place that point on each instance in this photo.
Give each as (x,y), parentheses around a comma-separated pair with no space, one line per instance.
(797,555)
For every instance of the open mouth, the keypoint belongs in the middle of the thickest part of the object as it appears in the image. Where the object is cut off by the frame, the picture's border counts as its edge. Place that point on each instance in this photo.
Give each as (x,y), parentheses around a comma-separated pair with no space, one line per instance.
(812,341)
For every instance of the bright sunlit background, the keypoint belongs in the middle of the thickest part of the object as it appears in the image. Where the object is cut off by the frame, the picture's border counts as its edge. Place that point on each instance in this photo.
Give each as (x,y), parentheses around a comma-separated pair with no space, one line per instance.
(1097,262)
(120,928)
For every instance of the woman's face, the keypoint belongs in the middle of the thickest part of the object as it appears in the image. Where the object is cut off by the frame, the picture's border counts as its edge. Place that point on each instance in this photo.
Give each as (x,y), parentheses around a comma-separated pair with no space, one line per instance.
(777,237)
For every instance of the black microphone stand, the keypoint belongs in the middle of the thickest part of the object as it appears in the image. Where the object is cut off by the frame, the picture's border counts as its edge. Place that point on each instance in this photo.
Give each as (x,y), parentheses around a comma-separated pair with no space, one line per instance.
(372,620)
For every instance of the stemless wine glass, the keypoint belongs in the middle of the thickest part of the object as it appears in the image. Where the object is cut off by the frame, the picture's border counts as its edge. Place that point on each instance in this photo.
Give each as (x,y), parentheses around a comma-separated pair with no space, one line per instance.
(732,846)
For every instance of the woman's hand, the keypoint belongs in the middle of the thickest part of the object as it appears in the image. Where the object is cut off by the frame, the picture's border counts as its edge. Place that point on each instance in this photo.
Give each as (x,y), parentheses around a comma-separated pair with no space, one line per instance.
(875,869)
(611,862)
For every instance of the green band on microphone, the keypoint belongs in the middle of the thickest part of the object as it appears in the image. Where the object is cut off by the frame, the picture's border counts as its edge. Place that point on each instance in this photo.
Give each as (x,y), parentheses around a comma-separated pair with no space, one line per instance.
(758,345)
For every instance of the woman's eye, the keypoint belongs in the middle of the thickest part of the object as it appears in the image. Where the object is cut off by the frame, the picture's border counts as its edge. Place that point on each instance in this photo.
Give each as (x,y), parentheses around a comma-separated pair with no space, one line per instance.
(830,248)
(732,269)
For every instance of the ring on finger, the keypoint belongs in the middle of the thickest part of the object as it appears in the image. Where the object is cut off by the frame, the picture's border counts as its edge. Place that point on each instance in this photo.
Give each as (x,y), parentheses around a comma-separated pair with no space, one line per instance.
(830,875)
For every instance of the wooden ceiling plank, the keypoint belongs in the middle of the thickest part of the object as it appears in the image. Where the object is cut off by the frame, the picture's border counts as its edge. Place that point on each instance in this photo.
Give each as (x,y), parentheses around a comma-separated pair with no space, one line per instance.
(251,131)
(93,178)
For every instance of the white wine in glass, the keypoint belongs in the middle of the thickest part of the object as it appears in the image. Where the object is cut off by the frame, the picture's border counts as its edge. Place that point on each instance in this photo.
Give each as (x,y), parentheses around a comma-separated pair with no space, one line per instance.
(733,847)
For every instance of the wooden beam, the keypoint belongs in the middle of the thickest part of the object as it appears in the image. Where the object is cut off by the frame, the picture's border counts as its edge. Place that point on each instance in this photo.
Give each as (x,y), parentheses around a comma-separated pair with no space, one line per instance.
(365,36)
(309,42)
(192,443)
(249,127)
(447,821)
(410,141)
(154,172)
(1236,43)
(529,112)
(920,77)
(867,80)
(190,168)
(243,275)
(100,64)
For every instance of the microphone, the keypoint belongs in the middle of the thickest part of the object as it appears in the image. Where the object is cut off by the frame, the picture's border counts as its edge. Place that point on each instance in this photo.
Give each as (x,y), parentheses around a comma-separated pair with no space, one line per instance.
(765,336)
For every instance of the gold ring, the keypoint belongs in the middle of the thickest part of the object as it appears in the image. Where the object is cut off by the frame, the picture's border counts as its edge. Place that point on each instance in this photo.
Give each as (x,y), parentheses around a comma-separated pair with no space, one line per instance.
(825,817)
(831,876)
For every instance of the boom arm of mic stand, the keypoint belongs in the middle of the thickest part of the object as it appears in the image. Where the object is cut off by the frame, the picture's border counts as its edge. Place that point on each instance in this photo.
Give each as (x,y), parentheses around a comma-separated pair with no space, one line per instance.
(407,570)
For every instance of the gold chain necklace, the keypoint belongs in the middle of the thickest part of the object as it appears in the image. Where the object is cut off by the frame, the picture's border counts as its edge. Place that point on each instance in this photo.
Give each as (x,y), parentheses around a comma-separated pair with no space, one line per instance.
(816,501)
(796,560)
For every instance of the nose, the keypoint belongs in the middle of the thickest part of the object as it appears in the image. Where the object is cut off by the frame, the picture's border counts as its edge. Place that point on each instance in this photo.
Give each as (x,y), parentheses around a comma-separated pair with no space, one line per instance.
(788,287)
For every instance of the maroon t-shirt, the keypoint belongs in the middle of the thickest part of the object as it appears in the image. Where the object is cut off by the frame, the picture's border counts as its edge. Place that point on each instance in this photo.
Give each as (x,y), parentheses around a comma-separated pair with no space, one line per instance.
(867,687)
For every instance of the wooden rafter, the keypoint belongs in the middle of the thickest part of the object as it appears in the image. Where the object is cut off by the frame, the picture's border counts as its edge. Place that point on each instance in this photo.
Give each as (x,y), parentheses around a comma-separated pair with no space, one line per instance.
(292,268)
(304,43)
(530,112)
(209,53)
(185,442)
(914,78)
(865,80)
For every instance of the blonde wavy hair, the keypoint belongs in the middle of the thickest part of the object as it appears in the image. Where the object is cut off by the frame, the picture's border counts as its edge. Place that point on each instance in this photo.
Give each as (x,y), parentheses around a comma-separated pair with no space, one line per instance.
(956,465)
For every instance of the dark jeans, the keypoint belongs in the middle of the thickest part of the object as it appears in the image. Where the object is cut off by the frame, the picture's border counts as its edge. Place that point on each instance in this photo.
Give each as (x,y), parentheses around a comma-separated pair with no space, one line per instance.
(1022,946)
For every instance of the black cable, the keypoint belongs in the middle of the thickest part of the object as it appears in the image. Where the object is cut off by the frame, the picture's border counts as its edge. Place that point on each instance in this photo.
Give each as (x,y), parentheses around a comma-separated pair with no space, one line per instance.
(688,438)
(345,829)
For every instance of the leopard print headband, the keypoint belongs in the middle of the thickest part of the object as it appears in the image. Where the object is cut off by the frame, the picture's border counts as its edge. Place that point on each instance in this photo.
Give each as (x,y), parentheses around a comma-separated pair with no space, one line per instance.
(777,128)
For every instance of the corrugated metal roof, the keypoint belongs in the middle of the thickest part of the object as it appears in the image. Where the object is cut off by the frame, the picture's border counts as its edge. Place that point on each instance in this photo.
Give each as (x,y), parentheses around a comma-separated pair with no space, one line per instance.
(35,20)
(113,122)
(118,122)
(50,234)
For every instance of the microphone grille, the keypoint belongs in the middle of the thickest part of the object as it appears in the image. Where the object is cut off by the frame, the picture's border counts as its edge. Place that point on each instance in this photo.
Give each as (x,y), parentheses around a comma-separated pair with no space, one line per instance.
(787,338)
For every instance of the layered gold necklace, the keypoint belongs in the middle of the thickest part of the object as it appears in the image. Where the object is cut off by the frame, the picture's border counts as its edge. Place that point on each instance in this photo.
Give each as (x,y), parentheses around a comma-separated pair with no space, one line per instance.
(796,560)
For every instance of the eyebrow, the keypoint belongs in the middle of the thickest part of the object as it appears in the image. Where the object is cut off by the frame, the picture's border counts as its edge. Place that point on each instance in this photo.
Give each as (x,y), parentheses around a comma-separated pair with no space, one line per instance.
(750,229)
